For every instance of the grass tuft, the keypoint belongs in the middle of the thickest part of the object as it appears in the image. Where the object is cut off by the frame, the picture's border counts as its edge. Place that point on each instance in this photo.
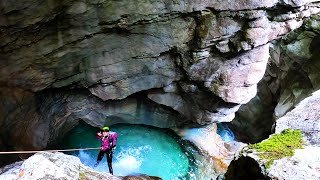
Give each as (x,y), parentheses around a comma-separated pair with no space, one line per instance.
(82,175)
(278,146)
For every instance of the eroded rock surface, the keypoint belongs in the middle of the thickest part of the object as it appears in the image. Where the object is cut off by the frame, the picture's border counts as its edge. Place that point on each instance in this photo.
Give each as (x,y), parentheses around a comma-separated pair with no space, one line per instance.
(44,118)
(301,64)
(305,117)
(305,163)
(292,75)
(57,165)
(115,52)
(202,59)
(51,166)
(300,166)
(210,144)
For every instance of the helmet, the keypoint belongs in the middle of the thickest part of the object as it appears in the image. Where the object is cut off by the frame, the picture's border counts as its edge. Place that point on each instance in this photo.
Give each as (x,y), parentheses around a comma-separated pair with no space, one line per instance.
(105,128)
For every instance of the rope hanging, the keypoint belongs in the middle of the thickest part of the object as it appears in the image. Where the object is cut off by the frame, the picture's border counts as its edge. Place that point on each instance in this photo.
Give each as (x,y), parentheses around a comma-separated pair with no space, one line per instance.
(57,150)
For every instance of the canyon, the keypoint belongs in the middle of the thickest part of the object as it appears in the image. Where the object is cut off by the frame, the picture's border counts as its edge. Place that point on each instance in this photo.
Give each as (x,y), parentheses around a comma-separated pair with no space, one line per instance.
(167,64)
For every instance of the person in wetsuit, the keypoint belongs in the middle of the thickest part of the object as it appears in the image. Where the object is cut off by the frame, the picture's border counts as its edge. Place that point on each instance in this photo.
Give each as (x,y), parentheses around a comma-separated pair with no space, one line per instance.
(108,145)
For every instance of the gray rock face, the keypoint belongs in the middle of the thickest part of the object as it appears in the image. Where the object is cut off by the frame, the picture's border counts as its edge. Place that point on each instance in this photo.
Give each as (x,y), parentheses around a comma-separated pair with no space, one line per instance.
(254,120)
(202,107)
(237,80)
(305,163)
(118,48)
(305,117)
(203,59)
(20,119)
(46,165)
(218,152)
(302,165)
(292,74)
(299,68)
(48,116)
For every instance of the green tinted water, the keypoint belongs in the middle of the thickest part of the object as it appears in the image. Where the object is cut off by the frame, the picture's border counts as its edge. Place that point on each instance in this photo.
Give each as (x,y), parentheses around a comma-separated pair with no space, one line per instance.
(140,150)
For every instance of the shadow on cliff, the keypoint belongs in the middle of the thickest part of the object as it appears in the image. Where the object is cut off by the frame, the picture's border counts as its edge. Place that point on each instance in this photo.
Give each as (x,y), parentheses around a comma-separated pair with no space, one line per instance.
(245,168)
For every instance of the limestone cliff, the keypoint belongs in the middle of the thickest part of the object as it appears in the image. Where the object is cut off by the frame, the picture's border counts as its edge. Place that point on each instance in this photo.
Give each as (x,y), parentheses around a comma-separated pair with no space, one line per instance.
(292,75)
(304,163)
(198,61)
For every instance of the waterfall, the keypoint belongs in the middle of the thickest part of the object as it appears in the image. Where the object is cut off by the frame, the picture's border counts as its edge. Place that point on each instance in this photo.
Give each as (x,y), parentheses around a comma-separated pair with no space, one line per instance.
(225,133)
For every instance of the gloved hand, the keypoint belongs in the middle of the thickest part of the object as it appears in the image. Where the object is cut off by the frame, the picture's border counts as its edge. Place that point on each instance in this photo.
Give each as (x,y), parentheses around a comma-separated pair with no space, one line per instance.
(113,149)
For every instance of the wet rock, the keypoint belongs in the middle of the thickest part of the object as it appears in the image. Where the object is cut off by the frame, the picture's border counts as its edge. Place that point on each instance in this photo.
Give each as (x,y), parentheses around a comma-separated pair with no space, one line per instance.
(212,146)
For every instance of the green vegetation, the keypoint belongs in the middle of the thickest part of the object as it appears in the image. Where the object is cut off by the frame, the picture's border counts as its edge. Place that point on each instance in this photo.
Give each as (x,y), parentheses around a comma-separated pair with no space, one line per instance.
(82,175)
(278,146)
(205,22)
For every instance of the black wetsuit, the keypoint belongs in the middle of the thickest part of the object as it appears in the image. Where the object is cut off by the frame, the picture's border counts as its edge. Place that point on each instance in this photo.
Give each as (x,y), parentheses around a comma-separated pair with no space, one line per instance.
(109,153)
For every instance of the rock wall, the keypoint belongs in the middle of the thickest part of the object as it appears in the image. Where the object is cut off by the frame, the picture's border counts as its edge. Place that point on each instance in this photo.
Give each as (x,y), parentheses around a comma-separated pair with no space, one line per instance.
(202,59)
(36,120)
(292,75)
(304,163)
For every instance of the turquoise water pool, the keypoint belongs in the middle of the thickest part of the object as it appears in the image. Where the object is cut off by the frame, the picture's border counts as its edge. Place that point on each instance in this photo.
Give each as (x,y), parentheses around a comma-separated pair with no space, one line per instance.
(145,150)
(140,150)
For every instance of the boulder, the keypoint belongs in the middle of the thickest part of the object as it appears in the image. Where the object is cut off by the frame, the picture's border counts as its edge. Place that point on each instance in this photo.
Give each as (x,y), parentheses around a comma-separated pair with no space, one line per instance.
(46,165)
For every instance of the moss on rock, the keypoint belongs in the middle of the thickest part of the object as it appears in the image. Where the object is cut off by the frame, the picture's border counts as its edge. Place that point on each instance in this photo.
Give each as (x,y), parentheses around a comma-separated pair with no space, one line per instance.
(278,146)
(82,175)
